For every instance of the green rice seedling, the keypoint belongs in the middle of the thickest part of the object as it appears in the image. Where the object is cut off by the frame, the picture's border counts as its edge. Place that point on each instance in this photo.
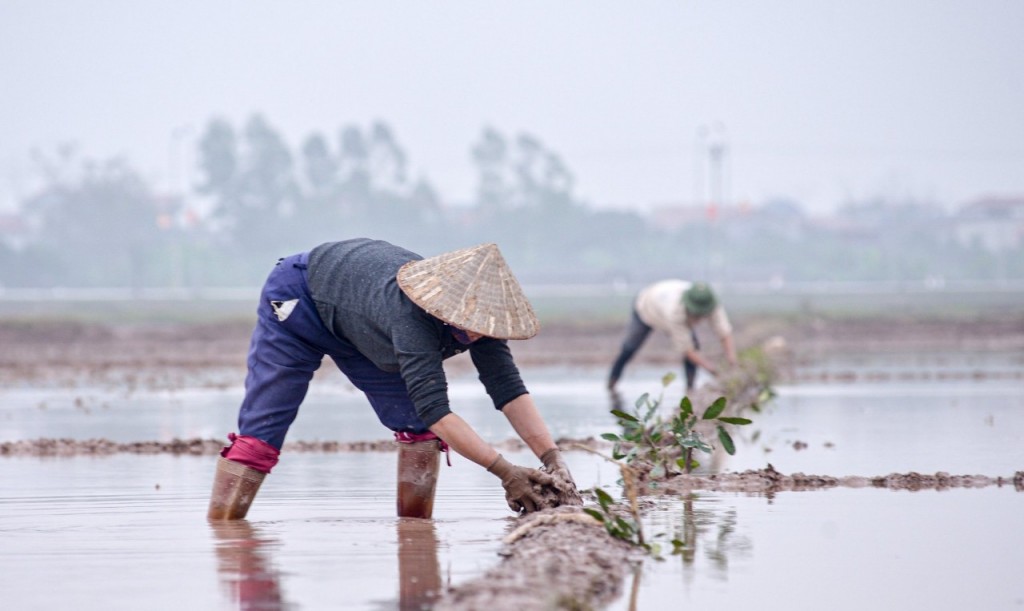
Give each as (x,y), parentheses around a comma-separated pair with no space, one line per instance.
(668,444)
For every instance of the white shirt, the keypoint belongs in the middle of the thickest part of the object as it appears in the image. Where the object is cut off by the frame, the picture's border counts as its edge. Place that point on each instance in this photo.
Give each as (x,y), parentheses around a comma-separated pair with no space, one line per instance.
(660,306)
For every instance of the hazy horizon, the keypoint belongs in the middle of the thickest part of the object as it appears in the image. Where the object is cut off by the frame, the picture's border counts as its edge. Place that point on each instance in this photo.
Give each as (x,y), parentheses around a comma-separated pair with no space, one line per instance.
(817,102)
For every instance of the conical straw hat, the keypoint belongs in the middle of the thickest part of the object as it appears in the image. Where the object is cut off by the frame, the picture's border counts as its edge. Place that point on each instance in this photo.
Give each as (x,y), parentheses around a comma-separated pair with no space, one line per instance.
(473,289)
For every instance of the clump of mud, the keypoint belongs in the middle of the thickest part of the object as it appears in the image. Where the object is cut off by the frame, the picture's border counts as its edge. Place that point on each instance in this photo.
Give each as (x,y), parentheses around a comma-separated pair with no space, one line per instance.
(551,496)
(560,493)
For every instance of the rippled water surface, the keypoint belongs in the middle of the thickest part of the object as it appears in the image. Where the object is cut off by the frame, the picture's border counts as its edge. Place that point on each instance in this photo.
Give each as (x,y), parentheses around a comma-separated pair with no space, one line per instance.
(128,532)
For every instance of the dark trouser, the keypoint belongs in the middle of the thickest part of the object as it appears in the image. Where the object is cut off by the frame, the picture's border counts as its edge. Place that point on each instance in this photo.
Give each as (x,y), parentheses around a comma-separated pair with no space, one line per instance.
(284,354)
(636,335)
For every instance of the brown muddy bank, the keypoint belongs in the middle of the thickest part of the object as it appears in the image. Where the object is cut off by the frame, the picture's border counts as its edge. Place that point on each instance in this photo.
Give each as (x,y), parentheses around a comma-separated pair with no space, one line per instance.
(189,355)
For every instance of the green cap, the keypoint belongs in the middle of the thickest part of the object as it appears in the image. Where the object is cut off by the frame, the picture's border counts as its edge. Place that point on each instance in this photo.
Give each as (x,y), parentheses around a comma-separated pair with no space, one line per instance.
(699,300)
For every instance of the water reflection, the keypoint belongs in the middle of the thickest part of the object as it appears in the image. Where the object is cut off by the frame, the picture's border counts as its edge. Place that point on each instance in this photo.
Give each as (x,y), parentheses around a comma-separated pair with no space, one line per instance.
(245,567)
(721,539)
(714,532)
(247,571)
(634,589)
(419,572)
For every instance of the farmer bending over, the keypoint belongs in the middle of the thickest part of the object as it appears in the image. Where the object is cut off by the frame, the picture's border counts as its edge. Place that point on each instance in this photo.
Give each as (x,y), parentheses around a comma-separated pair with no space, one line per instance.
(388,318)
(675,307)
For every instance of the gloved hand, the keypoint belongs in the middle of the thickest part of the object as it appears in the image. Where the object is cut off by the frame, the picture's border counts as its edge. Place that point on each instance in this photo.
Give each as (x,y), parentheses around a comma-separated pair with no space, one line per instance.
(555,465)
(518,483)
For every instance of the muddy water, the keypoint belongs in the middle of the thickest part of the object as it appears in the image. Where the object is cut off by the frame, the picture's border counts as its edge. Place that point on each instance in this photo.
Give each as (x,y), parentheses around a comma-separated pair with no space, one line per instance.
(126,531)
(840,549)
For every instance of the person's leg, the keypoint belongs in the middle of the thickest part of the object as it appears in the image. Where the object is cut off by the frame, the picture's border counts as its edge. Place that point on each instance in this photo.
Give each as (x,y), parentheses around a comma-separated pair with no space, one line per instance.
(419,450)
(280,364)
(689,367)
(283,356)
(636,334)
(419,464)
(385,390)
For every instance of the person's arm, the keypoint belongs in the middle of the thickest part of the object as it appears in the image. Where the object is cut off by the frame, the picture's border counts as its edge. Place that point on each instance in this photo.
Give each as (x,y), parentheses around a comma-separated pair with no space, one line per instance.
(730,349)
(457,433)
(699,360)
(522,413)
(519,482)
(500,377)
(723,328)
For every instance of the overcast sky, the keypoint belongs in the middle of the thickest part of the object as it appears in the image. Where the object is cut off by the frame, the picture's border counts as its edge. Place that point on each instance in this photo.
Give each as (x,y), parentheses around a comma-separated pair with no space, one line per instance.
(819,101)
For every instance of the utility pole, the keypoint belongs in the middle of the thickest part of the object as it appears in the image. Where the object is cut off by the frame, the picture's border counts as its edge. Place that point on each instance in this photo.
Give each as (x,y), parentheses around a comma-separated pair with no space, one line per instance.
(710,144)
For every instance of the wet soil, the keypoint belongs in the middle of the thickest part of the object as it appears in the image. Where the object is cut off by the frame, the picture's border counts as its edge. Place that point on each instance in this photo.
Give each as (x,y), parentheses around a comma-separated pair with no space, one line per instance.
(178,355)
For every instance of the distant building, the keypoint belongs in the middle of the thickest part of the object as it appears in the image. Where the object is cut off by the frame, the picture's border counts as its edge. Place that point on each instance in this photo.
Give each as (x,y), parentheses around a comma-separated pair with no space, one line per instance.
(672,217)
(994,224)
(776,219)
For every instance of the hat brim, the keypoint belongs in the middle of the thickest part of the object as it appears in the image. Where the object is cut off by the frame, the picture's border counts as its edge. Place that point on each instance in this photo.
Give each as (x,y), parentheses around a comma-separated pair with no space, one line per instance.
(472,289)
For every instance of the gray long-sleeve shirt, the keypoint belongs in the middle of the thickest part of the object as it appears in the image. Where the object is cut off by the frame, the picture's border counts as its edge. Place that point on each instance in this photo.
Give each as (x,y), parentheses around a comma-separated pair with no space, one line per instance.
(358,298)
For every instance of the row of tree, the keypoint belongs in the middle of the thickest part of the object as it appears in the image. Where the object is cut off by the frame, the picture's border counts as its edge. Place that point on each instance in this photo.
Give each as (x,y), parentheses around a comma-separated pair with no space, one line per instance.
(101,224)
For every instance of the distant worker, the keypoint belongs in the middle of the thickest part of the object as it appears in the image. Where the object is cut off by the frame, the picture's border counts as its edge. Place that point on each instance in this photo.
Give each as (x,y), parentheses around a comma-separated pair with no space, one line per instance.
(388,318)
(676,307)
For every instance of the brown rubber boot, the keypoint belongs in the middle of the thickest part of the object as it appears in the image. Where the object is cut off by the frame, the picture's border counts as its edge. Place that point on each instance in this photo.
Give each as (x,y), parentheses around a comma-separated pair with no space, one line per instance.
(418,466)
(234,488)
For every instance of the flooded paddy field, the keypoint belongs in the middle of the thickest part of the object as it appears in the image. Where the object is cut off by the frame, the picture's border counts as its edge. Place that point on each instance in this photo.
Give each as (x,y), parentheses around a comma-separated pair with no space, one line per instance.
(125,530)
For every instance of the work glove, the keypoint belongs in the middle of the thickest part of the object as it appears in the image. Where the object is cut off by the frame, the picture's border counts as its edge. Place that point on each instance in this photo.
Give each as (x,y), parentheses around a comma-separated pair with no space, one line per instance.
(555,465)
(519,484)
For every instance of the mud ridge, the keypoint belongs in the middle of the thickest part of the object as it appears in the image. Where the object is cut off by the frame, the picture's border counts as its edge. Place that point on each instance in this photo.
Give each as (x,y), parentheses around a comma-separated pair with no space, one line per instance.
(554,559)
(770,481)
(66,447)
(756,481)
